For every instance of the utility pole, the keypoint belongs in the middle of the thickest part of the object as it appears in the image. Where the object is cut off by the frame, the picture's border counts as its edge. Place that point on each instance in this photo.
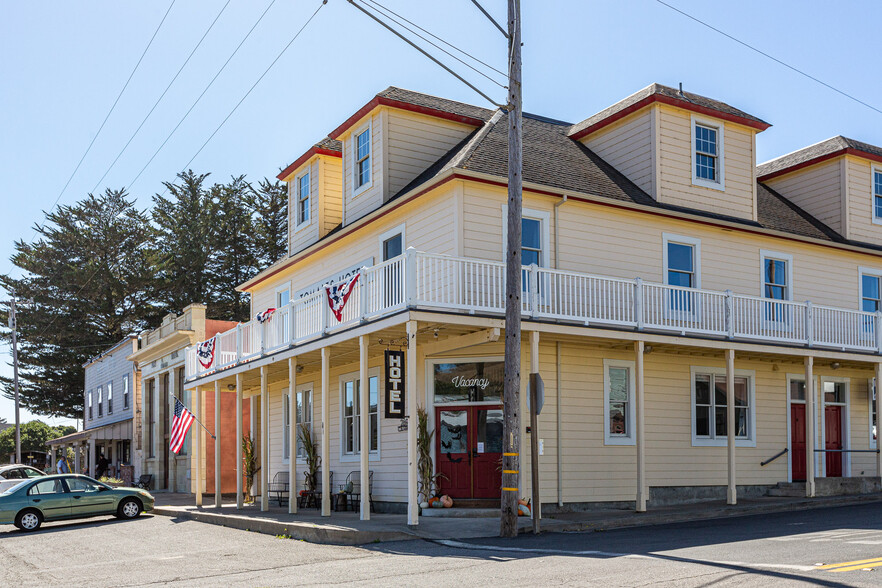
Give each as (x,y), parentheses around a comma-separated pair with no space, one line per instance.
(512,387)
(13,324)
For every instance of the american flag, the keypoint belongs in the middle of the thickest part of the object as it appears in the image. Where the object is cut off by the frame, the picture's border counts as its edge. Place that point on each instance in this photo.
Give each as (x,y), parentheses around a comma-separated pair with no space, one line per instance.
(339,294)
(181,423)
(205,353)
(266,315)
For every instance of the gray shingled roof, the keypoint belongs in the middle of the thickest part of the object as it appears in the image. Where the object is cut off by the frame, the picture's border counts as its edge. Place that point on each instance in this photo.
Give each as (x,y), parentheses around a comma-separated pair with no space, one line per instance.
(330,144)
(442,104)
(776,212)
(815,151)
(686,97)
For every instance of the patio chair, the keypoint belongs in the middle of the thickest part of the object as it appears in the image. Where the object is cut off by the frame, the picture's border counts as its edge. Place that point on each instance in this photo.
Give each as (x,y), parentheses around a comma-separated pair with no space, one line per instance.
(279,487)
(355,495)
(314,498)
(144,481)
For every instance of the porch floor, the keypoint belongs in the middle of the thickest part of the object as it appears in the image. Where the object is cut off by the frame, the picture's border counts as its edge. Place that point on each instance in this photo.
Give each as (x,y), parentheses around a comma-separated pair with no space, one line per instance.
(345,528)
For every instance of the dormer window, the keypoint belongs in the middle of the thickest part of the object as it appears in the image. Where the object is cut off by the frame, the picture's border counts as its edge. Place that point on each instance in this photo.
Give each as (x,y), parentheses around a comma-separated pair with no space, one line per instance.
(707,154)
(877,195)
(363,158)
(303,199)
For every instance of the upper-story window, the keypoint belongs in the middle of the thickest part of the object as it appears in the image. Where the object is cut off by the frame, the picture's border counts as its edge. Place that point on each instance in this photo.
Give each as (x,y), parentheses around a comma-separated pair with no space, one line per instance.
(303,199)
(110,398)
(877,195)
(100,402)
(776,280)
(363,158)
(126,392)
(90,403)
(531,241)
(707,154)
(283,297)
(682,261)
(871,292)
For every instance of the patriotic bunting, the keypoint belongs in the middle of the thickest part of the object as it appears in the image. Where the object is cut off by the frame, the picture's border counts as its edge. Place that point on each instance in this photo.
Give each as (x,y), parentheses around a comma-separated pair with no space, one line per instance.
(339,294)
(205,353)
(264,316)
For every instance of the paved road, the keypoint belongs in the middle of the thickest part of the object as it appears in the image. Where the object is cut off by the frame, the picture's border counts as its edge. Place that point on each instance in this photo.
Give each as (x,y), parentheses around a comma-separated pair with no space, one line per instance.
(763,550)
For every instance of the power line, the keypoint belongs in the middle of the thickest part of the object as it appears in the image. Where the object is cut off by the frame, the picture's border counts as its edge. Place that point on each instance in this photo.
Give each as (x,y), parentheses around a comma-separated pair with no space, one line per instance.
(223,67)
(490,18)
(161,96)
(775,59)
(112,108)
(389,10)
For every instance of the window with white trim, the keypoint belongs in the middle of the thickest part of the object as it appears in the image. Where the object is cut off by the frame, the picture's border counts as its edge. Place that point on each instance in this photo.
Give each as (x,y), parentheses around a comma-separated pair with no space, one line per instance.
(283,297)
(286,426)
(682,259)
(706,153)
(873,415)
(877,195)
(618,400)
(100,402)
(126,392)
(871,292)
(110,398)
(352,420)
(90,403)
(362,158)
(303,190)
(777,275)
(304,417)
(709,418)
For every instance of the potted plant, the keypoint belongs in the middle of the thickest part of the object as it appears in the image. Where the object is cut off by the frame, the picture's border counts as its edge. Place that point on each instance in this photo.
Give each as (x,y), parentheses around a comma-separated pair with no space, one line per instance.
(313,459)
(250,468)
(428,479)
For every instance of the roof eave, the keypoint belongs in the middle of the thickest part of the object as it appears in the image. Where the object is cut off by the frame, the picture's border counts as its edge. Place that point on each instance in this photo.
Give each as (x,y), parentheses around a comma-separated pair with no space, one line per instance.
(820,159)
(401,105)
(313,151)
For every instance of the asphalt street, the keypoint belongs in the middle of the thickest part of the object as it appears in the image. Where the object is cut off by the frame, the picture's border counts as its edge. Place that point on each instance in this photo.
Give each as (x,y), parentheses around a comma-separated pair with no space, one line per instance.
(826,547)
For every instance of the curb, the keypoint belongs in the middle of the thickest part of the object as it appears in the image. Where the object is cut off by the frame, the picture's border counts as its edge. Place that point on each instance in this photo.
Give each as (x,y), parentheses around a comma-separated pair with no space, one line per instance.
(327,535)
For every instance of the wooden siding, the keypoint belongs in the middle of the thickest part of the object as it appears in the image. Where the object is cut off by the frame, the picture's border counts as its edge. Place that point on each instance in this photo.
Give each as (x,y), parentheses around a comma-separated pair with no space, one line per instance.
(860,202)
(674,159)
(627,145)
(330,193)
(308,233)
(371,198)
(817,190)
(110,369)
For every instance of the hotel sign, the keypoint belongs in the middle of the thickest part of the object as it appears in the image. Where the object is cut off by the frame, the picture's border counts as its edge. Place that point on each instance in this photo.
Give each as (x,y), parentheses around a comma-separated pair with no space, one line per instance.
(346,274)
(394,364)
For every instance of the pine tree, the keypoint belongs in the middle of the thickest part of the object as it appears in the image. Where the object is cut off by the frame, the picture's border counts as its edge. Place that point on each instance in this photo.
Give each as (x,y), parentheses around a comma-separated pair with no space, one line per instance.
(270,203)
(233,258)
(88,274)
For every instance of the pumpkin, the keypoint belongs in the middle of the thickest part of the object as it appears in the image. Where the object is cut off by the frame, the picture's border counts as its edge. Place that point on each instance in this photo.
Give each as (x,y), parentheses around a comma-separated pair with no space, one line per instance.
(446,501)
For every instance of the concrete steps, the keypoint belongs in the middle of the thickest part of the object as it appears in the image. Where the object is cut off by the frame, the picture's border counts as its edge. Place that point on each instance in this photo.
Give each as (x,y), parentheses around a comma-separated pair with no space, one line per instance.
(462,513)
(854,486)
(788,490)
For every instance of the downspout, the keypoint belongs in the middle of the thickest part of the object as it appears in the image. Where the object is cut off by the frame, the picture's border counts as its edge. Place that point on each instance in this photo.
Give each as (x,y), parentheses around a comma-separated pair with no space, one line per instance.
(557,379)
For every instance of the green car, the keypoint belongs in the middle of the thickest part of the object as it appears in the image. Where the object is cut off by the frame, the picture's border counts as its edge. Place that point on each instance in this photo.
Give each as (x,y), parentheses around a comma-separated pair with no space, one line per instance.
(68,496)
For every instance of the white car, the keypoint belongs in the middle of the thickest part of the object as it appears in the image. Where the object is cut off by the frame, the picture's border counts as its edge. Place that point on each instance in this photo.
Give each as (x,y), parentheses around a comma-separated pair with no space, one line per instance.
(13,474)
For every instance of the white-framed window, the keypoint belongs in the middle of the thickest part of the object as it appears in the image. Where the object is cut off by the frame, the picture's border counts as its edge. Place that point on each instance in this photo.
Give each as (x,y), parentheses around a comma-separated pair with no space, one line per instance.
(871,394)
(535,236)
(777,275)
(350,391)
(125,383)
(304,415)
(110,398)
(877,195)
(709,418)
(707,154)
(392,243)
(871,289)
(682,261)
(303,190)
(362,161)
(283,296)
(100,402)
(89,400)
(619,415)
(286,427)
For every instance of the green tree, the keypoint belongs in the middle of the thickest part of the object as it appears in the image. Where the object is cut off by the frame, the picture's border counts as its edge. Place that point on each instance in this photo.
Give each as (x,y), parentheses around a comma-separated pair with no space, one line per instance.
(233,258)
(270,204)
(88,273)
(34,436)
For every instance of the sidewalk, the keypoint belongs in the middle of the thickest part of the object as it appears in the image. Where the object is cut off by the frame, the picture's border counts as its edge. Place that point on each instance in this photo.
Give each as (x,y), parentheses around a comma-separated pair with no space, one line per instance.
(345,528)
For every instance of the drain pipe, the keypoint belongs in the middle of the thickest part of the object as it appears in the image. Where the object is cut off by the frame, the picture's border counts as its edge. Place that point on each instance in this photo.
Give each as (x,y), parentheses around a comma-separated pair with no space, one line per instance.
(557,205)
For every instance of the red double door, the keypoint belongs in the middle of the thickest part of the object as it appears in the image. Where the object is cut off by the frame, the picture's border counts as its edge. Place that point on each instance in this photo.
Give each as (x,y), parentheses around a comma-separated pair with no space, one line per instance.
(832,437)
(468,451)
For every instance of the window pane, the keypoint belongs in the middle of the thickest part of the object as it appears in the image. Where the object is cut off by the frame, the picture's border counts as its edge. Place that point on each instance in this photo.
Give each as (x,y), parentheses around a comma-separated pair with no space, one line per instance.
(702,389)
(720,388)
(392,247)
(618,418)
(741,416)
(776,271)
(720,422)
(797,390)
(364,141)
(349,399)
(47,487)
(702,421)
(490,430)
(531,233)
(374,394)
(618,384)
(453,431)
(834,392)
(741,398)
(680,257)
(679,279)
(529,257)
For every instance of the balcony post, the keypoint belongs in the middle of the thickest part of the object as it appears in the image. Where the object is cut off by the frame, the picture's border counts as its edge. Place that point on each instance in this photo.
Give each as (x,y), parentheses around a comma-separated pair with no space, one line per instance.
(261,331)
(534,290)
(410,276)
(879,331)
(238,342)
(292,324)
(638,303)
(326,315)
(809,324)
(730,315)
(363,293)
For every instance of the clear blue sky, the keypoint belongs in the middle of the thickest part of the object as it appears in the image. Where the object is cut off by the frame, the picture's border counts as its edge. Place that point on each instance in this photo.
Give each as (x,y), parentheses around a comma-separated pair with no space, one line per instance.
(65,62)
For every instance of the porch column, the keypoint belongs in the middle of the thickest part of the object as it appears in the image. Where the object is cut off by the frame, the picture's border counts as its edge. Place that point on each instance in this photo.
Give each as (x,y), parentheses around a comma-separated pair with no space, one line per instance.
(197,446)
(239,499)
(326,433)
(172,458)
(534,436)
(91,463)
(217,444)
(264,441)
(732,491)
(158,429)
(640,437)
(364,429)
(53,458)
(292,436)
(878,419)
(412,424)
(78,455)
(809,428)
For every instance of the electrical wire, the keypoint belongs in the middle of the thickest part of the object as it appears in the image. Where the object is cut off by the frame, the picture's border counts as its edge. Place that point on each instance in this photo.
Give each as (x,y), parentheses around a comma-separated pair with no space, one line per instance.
(187,114)
(161,96)
(775,59)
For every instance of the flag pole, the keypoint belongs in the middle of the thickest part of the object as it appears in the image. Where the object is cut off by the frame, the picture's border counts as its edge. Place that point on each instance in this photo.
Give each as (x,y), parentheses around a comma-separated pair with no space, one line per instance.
(194,418)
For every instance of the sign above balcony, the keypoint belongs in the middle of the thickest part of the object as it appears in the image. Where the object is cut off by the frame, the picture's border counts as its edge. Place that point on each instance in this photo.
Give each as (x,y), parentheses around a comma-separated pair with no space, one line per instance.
(344,275)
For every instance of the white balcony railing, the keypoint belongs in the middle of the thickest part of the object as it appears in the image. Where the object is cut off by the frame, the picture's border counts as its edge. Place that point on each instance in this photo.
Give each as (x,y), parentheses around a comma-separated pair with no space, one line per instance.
(439,282)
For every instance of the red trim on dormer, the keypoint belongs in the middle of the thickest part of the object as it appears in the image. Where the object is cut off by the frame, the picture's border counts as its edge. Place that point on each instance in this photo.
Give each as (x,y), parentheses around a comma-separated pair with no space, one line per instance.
(676,102)
(303,159)
(821,159)
(383,101)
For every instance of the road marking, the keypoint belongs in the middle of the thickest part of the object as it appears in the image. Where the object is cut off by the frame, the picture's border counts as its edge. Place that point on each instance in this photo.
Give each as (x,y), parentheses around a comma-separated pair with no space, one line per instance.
(848,566)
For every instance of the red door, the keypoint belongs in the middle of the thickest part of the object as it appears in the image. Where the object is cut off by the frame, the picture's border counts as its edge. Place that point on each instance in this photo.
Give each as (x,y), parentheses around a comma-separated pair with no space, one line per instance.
(468,451)
(797,442)
(833,438)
